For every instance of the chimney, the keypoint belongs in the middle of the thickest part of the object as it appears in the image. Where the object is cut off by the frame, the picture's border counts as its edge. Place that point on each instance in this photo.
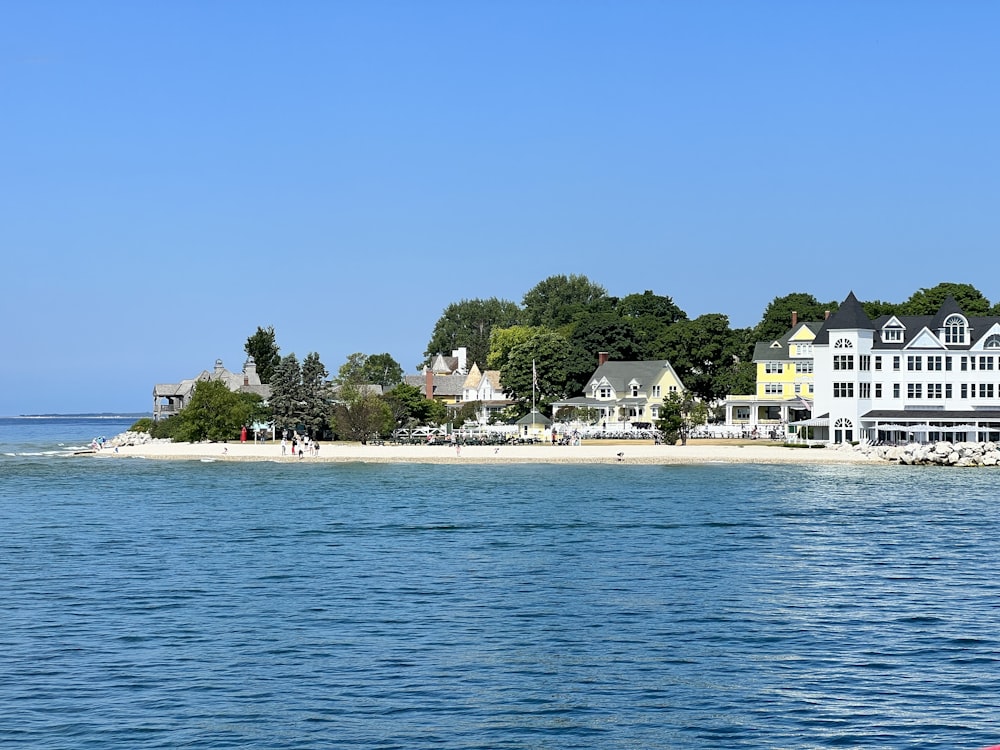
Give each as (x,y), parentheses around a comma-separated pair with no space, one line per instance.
(428,382)
(795,318)
(602,357)
(246,379)
(826,315)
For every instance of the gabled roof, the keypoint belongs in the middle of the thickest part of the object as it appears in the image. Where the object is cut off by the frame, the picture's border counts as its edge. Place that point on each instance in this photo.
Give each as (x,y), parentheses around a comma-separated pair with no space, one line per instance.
(474,377)
(778,349)
(849,316)
(619,374)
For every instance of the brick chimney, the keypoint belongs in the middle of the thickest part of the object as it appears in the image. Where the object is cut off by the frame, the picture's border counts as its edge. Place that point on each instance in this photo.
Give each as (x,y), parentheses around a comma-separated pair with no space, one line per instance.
(602,357)
(795,318)
(428,382)
(826,315)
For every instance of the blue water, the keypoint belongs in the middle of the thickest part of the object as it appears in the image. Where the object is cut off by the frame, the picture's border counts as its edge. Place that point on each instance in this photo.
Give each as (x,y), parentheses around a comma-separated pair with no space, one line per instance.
(151,604)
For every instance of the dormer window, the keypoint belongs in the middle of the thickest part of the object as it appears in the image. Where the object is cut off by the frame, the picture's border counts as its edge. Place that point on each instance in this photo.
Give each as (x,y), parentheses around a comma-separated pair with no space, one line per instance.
(893,334)
(954,330)
(635,391)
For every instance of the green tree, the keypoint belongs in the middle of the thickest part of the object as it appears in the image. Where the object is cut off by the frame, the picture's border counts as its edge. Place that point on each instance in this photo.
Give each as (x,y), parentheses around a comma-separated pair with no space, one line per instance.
(678,414)
(649,305)
(467,411)
(317,400)
(604,332)
(264,350)
(778,315)
(353,371)
(704,352)
(361,414)
(876,308)
(546,360)
(383,370)
(409,406)
(502,340)
(216,413)
(559,300)
(929,301)
(469,323)
(286,393)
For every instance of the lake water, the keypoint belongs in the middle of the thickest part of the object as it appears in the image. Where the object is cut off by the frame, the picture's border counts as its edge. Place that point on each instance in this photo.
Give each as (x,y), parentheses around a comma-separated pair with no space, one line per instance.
(154,604)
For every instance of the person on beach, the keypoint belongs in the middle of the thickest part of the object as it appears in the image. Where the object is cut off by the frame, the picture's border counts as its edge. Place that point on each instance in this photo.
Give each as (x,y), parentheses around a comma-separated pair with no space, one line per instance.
(284,445)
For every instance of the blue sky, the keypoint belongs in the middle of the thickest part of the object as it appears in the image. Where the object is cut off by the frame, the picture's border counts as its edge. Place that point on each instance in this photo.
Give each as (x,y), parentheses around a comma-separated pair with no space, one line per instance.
(177,174)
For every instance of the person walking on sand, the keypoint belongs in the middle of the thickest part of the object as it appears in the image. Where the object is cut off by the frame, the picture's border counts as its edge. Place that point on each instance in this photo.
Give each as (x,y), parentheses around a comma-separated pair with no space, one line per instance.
(284,445)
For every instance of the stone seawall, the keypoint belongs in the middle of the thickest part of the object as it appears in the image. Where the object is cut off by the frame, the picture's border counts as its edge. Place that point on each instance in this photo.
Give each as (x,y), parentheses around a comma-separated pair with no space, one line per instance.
(942,453)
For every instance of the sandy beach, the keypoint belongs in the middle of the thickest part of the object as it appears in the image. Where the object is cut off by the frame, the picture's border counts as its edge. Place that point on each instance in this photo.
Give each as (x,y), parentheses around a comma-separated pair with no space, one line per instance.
(632,453)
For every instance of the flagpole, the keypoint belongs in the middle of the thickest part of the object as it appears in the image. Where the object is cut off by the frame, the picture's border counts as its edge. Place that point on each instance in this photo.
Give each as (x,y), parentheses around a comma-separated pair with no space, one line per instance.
(534,382)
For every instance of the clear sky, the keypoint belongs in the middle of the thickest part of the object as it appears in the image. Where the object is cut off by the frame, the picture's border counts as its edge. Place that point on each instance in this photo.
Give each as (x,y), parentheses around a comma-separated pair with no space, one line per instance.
(176,174)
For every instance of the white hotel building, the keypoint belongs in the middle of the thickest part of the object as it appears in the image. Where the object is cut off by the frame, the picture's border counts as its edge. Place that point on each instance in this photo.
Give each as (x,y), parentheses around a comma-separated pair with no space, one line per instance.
(906,378)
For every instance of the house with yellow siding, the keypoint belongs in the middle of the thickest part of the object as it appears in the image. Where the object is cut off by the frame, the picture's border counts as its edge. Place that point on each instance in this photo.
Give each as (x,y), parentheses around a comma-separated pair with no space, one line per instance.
(784,383)
(626,394)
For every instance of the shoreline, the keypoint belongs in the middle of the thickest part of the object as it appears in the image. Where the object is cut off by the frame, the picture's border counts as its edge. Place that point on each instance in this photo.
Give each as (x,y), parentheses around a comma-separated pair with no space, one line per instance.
(631,453)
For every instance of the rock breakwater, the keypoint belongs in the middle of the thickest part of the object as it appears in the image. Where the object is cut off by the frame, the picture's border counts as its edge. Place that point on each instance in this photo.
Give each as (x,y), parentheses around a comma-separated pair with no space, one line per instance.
(942,453)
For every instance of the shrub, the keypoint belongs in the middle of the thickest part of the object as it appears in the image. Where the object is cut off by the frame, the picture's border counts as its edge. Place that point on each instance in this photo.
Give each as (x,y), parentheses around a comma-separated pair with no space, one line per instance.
(142,425)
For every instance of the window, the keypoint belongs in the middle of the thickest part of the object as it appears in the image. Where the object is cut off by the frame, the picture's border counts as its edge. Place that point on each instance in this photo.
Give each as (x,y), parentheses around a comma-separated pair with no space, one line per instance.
(843,344)
(634,389)
(804,350)
(878,362)
(809,388)
(843,390)
(656,391)
(672,388)
(964,364)
(878,390)
(914,362)
(895,390)
(865,390)
(986,363)
(947,363)
(947,390)
(774,368)
(964,390)
(934,390)
(773,389)
(992,341)
(741,413)
(804,367)
(895,362)
(843,361)
(954,330)
(892,333)
(934,362)
(654,410)
(986,390)
(914,390)
(864,362)
(604,392)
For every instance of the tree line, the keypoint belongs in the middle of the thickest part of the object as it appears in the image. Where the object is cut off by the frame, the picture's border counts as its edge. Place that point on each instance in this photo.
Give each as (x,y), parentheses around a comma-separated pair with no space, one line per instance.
(545,348)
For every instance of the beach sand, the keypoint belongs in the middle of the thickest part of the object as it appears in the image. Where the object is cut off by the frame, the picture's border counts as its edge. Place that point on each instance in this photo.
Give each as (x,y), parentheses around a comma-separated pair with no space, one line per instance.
(633,452)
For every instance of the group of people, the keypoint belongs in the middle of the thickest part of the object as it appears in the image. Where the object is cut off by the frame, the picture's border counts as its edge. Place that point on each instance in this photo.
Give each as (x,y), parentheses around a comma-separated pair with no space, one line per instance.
(301,445)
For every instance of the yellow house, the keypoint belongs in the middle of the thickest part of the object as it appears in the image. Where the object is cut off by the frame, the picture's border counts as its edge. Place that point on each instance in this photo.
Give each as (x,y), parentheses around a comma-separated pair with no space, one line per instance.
(784,389)
(628,393)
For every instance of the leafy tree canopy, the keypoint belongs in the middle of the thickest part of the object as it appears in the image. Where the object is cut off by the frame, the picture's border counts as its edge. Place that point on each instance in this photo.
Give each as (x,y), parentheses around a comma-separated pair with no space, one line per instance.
(649,305)
(264,350)
(216,413)
(778,315)
(361,415)
(876,308)
(604,332)
(469,323)
(502,340)
(704,352)
(559,300)
(409,406)
(929,301)
(383,370)
(546,359)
